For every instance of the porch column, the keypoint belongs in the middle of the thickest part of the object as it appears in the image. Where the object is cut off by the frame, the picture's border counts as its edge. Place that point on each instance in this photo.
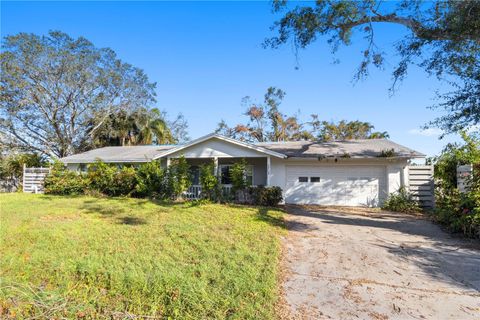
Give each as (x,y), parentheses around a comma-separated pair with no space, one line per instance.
(168,162)
(269,172)
(215,166)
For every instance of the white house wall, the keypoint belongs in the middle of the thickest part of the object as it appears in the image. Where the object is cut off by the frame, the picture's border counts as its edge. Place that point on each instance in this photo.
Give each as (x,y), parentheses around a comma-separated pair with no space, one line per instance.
(217,148)
(73,166)
(278,173)
(392,177)
(396,174)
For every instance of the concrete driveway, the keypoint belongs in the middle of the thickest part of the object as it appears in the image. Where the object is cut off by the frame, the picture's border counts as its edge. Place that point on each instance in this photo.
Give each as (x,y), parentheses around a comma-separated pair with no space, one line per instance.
(341,263)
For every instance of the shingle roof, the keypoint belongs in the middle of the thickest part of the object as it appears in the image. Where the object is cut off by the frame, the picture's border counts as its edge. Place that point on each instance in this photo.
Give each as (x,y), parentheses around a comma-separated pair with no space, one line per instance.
(118,154)
(367,148)
(370,148)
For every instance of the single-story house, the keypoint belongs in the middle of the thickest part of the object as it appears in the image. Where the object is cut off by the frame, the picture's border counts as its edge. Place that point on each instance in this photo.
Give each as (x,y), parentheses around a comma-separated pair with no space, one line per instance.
(351,172)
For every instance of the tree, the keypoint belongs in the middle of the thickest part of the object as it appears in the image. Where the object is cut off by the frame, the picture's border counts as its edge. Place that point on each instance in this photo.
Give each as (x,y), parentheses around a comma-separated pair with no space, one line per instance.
(54,85)
(178,127)
(444,39)
(348,130)
(266,122)
(140,126)
(453,155)
(11,165)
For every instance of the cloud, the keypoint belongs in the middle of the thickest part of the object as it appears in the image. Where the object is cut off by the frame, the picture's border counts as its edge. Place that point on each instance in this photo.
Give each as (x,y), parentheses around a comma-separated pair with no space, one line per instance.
(430,132)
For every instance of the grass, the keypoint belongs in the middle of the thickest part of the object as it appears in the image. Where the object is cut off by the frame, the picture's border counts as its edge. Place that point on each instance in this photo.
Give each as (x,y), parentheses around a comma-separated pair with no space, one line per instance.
(84,257)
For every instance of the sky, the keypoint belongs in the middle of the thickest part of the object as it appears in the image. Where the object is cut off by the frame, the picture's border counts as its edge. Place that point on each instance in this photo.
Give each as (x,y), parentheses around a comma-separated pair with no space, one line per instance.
(206,56)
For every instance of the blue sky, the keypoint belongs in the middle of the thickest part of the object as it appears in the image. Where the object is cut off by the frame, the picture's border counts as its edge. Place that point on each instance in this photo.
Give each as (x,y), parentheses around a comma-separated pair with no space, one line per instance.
(206,56)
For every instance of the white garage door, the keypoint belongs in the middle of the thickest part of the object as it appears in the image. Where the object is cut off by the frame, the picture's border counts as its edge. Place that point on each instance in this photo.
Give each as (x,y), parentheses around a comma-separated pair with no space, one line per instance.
(339,185)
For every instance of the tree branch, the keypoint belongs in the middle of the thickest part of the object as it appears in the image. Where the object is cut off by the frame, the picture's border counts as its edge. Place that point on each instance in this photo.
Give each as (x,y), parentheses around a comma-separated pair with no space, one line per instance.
(415,26)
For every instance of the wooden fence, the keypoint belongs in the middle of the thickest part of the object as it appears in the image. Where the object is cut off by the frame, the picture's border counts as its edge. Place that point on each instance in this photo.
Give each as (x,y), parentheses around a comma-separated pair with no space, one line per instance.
(33,179)
(421,185)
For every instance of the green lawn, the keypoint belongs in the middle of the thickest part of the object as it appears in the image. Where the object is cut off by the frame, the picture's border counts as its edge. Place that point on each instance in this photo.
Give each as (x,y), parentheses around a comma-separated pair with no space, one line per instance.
(119,258)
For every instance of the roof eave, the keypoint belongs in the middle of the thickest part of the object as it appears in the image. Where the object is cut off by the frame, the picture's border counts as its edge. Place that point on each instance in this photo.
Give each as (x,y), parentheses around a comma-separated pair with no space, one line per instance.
(107,161)
(354,157)
(218,136)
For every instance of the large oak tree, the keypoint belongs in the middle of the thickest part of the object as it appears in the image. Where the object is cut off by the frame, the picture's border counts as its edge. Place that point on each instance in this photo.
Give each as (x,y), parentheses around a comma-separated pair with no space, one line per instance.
(443,39)
(57,91)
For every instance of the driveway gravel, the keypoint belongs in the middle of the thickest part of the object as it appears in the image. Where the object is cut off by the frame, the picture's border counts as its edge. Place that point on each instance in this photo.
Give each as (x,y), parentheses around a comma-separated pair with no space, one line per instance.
(355,263)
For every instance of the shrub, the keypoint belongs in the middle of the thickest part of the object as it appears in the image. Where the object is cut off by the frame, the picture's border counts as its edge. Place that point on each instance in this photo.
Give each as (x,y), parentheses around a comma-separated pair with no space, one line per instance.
(62,181)
(124,181)
(178,178)
(150,180)
(260,196)
(209,182)
(238,176)
(460,212)
(452,156)
(100,177)
(401,201)
(266,196)
(110,180)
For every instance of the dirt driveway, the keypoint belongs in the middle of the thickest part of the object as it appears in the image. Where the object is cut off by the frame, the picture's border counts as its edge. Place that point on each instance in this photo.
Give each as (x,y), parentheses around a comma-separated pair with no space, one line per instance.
(365,264)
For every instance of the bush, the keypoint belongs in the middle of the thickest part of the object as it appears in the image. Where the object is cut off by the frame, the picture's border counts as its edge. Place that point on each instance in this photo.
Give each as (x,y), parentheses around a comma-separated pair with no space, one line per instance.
(401,201)
(209,182)
(110,180)
(266,196)
(460,212)
(260,196)
(452,156)
(100,176)
(124,181)
(150,180)
(178,178)
(238,176)
(62,181)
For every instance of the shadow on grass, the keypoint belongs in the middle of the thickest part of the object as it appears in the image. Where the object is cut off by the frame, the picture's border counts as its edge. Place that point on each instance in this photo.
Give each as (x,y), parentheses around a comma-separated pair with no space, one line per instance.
(102,210)
(263,214)
(132,221)
(100,206)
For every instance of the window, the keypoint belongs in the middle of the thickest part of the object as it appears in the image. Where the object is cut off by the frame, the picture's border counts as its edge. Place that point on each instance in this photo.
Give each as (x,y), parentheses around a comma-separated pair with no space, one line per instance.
(249,175)
(195,174)
(83,167)
(302,179)
(314,179)
(225,174)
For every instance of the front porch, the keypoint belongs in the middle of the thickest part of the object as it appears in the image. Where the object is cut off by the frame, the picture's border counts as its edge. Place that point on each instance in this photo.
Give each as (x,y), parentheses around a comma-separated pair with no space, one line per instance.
(257,173)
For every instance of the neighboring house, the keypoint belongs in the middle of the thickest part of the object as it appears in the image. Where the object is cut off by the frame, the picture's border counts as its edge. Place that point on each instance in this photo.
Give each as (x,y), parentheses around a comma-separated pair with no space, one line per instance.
(352,173)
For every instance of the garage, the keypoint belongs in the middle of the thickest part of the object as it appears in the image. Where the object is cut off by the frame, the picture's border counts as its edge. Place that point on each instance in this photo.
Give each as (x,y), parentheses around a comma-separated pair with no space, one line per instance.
(335,185)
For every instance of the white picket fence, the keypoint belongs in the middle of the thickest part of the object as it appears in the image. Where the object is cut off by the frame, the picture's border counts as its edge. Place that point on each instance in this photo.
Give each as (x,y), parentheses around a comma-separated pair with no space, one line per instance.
(421,185)
(33,179)
(195,191)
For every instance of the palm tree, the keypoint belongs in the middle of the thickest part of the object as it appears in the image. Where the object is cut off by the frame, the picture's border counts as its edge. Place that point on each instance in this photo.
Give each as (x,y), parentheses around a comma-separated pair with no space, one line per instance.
(152,128)
(142,126)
